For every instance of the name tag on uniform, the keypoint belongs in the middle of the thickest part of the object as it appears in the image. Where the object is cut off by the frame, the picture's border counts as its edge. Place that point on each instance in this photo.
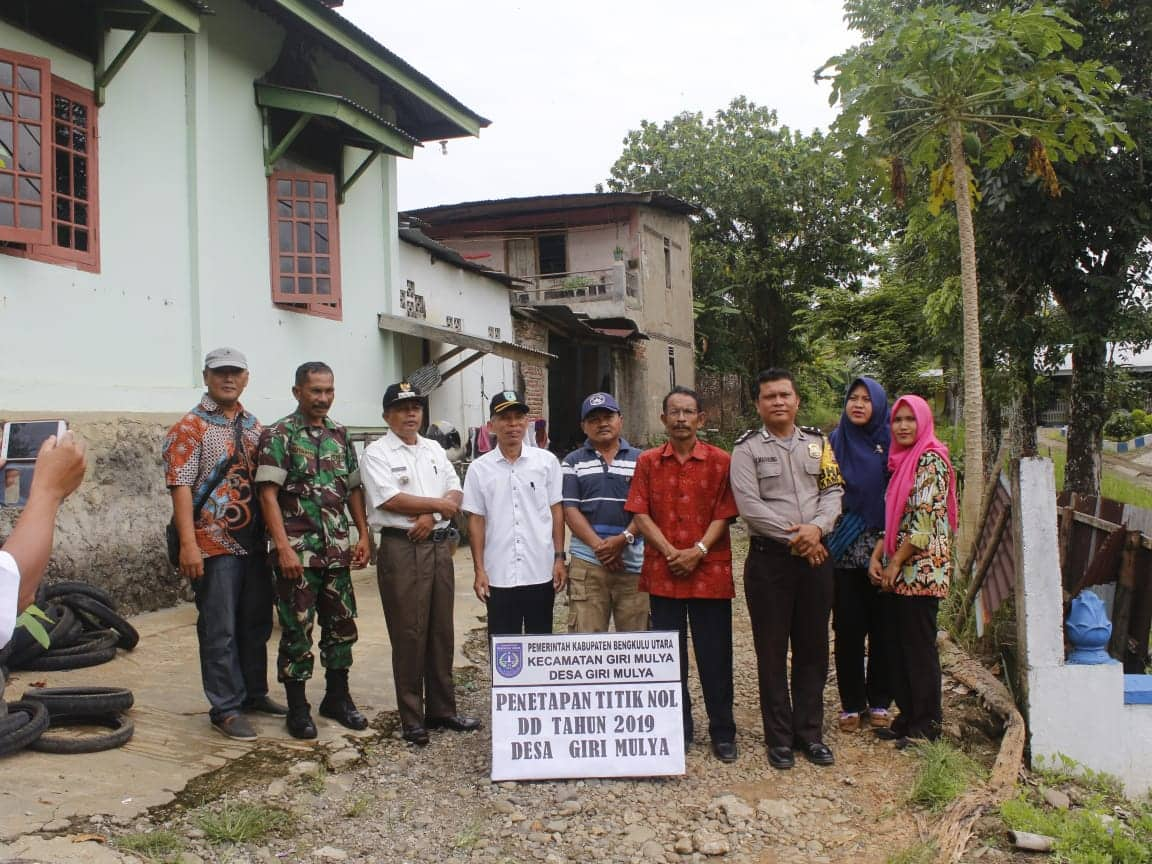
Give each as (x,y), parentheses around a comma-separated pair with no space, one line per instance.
(814,450)
(400,469)
(760,459)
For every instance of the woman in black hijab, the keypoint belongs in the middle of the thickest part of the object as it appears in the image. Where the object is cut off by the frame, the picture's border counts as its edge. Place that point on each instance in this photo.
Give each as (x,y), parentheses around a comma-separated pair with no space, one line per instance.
(861,442)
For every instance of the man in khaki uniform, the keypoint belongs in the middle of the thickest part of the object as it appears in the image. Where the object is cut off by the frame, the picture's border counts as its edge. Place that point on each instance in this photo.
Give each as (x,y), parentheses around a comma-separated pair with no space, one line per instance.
(788,489)
(413,493)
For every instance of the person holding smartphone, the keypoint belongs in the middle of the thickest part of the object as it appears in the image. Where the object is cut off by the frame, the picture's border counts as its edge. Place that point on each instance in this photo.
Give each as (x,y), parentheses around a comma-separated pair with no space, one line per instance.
(60,466)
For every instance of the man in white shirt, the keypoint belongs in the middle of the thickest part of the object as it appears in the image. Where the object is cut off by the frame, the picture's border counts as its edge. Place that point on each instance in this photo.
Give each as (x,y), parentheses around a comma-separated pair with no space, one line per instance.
(413,493)
(59,471)
(513,497)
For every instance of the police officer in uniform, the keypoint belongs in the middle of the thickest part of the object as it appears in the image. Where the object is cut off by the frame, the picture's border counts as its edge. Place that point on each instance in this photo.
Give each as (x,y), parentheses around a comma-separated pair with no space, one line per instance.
(413,493)
(788,489)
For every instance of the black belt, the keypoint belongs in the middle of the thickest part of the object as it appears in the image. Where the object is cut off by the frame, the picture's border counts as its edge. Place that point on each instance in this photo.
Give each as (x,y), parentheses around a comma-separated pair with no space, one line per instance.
(437,536)
(767,544)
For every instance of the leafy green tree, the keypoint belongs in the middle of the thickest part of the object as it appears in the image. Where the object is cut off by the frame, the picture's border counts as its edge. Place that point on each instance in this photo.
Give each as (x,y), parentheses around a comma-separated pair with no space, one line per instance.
(1089,248)
(779,222)
(939,89)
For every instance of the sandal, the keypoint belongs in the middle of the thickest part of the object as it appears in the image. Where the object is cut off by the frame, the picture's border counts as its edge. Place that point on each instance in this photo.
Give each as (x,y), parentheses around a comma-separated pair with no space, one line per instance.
(849,721)
(879,718)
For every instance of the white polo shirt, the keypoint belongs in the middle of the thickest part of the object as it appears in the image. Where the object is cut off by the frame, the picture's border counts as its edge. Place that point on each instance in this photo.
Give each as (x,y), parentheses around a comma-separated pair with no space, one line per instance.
(9,596)
(515,498)
(391,467)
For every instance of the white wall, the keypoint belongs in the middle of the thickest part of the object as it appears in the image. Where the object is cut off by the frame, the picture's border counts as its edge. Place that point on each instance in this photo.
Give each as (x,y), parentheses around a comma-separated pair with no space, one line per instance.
(1074,710)
(185,246)
(479,303)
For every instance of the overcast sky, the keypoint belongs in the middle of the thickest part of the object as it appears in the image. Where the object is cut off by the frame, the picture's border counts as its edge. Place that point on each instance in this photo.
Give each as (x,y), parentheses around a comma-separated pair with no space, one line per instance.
(563,83)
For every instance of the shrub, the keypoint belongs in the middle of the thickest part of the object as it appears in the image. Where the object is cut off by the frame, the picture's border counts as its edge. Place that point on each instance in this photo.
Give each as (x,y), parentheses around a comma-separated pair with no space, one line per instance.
(1120,426)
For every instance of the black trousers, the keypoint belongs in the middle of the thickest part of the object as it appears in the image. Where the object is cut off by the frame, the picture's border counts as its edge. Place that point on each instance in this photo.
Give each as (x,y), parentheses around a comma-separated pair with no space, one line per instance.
(916,667)
(789,601)
(711,624)
(523,609)
(858,616)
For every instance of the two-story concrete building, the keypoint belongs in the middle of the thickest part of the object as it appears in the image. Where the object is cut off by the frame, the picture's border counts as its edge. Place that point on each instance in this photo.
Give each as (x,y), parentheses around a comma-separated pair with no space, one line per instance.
(176,175)
(608,291)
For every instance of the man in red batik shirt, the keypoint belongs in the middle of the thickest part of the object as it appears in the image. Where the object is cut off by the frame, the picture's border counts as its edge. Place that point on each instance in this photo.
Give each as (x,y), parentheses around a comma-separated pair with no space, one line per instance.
(682,502)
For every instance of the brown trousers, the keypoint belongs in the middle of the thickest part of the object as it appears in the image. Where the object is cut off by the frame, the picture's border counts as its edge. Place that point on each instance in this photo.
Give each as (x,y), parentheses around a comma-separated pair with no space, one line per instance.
(597,595)
(417,587)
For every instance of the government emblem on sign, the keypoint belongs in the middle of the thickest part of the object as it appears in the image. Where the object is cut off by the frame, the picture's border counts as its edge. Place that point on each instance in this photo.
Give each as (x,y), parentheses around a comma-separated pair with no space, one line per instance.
(509,658)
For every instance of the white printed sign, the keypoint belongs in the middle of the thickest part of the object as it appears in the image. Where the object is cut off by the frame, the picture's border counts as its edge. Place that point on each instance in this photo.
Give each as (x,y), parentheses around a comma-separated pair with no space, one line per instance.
(586,705)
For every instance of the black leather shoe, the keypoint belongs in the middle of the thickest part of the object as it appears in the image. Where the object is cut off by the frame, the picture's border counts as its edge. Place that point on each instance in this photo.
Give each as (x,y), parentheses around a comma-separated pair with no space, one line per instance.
(887,733)
(816,752)
(417,735)
(344,712)
(264,705)
(725,751)
(903,743)
(300,723)
(458,723)
(781,758)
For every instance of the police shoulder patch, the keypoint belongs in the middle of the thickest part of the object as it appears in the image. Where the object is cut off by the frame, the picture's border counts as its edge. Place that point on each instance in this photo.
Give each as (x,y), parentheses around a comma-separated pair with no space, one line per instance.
(812,430)
(744,436)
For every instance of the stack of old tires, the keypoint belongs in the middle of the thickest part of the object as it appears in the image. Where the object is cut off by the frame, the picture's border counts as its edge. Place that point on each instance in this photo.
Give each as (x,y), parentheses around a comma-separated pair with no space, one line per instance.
(84,629)
(60,720)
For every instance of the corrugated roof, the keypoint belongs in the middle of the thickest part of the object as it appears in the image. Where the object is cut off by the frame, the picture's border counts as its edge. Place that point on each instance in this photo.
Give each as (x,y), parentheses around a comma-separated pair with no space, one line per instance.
(469,210)
(369,42)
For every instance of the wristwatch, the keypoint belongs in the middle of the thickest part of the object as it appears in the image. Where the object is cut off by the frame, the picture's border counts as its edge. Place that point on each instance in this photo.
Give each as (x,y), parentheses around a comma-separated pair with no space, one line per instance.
(629,537)
(559,556)
(700,545)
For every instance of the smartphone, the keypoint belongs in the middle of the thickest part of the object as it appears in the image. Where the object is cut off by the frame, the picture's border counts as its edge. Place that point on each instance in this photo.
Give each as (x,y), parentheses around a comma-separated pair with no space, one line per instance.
(23,438)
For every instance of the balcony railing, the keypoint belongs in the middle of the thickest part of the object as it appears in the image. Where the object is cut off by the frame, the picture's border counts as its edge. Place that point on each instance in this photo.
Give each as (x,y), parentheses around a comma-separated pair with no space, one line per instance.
(583,286)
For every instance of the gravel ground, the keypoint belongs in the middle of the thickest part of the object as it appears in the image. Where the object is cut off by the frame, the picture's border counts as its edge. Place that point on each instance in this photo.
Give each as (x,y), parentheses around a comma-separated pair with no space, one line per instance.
(381,800)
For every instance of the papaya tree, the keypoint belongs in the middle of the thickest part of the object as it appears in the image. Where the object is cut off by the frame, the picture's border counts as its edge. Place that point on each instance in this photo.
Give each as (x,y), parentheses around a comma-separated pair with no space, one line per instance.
(939,91)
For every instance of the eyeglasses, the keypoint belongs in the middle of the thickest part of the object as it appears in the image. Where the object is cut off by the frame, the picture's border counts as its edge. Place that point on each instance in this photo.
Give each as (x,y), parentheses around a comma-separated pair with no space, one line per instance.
(681,412)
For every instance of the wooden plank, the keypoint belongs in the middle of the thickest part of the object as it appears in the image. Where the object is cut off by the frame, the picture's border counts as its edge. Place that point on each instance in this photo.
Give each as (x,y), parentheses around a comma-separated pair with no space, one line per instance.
(1122,604)
(1105,525)
(997,532)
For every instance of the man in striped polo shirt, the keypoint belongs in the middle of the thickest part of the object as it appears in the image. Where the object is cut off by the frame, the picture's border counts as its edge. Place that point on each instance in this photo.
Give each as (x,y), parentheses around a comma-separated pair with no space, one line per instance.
(606,552)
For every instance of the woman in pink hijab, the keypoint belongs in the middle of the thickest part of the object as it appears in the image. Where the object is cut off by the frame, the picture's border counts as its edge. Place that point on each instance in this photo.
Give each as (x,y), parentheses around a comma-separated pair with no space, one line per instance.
(913,560)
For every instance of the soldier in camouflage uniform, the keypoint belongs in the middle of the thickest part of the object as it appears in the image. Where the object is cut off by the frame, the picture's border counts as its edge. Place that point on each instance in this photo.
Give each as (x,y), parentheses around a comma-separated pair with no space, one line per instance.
(309,480)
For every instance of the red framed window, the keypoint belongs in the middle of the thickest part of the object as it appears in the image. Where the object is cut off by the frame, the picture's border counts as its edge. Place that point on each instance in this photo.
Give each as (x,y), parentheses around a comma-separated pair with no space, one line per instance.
(69,209)
(24,109)
(305,242)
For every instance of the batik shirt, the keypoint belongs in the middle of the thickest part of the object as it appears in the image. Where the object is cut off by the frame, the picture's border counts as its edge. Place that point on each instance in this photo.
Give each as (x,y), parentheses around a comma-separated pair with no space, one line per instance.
(925,525)
(195,449)
(316,468)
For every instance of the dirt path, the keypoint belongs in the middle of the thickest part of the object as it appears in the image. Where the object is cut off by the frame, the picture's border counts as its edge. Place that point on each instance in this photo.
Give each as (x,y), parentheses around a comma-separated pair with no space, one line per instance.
(376,799)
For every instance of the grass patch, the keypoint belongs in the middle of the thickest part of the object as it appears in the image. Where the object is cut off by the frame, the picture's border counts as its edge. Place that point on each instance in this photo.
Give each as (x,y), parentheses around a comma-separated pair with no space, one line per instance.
(316,781)
(357,807)
(1112,485)
(918,853)
(944,773)
(1064,769)
(1085,836)
(154,845)
(243,823)
(470,836)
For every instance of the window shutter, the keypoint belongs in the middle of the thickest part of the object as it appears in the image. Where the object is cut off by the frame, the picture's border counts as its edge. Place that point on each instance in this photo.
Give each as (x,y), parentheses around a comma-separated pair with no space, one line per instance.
(25,138)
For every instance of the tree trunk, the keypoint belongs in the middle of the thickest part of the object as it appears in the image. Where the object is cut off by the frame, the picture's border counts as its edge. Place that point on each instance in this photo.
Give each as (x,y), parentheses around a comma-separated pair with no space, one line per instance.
(973,383)
(1088,410)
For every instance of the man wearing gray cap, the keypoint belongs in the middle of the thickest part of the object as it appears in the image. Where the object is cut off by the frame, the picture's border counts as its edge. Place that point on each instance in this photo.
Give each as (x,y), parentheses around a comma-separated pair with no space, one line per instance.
(209,464)
(413,493)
